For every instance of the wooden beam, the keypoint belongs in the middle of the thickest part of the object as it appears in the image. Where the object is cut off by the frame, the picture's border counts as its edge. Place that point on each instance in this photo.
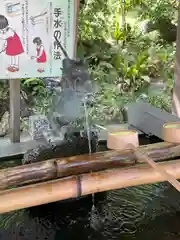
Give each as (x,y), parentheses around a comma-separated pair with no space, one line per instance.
(176,90)
(15,110)
(76,12)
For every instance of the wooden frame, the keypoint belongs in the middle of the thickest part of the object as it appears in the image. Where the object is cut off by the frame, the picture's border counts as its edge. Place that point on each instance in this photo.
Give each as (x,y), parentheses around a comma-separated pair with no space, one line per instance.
(15,110)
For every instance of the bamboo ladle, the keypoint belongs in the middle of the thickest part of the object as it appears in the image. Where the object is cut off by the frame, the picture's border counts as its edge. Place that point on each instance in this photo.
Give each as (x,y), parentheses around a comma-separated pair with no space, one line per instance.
(139,154)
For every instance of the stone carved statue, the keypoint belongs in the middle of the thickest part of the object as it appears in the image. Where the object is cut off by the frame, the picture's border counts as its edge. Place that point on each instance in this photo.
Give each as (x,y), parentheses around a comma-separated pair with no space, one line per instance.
(69,97)
(67,106)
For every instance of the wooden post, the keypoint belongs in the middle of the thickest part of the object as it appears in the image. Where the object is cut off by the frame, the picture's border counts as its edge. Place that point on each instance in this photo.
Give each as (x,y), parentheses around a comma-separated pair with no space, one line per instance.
(176,90)
(77,3)
(15,110)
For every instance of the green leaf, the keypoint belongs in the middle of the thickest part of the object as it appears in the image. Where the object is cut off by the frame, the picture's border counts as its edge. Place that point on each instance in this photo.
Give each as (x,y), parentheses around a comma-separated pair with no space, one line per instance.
(32,80)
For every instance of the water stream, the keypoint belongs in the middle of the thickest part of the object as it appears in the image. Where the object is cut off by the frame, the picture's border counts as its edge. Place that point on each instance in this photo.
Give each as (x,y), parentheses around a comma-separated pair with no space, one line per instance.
(94,212)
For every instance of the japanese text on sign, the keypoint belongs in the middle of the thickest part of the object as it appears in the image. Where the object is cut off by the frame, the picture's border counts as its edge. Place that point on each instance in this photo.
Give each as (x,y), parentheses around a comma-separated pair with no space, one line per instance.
(58,23)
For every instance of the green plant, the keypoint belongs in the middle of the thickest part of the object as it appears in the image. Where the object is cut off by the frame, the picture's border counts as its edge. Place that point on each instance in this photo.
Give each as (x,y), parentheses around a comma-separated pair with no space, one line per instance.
(159,9)
(34,85)
(4,90)
(38,95)
(122,62)
(124,74)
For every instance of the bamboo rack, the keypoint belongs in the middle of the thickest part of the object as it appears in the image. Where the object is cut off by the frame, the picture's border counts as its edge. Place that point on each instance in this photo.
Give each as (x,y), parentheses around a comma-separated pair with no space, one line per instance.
(76,186)
(58,168)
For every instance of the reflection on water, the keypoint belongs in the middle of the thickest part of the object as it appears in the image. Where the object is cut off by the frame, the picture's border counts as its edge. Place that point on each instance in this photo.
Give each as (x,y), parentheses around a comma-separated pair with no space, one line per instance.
(151,211)
(144,212)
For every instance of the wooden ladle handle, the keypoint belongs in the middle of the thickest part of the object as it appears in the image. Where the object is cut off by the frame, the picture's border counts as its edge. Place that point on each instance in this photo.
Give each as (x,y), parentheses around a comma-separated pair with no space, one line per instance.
(174,182)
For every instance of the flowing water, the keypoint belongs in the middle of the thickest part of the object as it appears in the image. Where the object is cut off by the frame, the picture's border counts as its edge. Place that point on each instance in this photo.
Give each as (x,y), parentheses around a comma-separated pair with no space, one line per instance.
(94,211)
(87,126)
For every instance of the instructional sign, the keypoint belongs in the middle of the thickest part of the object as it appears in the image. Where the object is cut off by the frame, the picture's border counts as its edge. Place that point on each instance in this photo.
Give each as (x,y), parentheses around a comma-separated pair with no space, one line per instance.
(35,36)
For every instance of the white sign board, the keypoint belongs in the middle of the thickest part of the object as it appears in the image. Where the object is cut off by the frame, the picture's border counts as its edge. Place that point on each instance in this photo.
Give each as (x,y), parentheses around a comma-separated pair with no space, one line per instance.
(30,33)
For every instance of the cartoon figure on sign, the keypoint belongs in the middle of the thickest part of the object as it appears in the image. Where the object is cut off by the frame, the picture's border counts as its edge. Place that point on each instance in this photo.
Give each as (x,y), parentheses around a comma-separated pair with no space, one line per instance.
(13,46)
(40,54)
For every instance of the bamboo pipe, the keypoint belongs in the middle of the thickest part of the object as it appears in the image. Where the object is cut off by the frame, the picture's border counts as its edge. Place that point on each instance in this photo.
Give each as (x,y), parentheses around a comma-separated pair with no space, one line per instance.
(63,167)
(72,187)
(57,168)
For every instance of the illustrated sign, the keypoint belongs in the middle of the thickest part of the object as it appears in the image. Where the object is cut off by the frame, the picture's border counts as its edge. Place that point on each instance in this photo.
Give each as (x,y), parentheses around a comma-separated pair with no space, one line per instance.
(35,36)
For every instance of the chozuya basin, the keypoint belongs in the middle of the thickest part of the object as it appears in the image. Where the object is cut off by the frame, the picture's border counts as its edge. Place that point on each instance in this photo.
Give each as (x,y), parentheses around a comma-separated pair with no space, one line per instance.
(171,132)
(120,140)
